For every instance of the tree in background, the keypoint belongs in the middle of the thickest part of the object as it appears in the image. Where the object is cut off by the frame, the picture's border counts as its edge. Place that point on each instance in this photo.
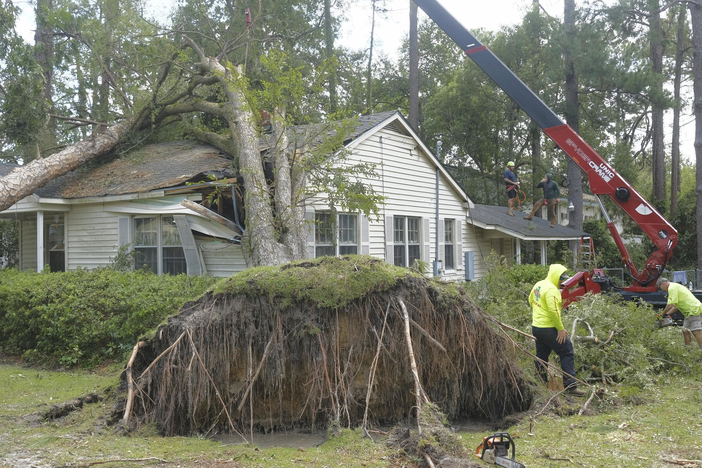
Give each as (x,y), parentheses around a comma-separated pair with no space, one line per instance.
(696,22)
(682,47)
(572,114)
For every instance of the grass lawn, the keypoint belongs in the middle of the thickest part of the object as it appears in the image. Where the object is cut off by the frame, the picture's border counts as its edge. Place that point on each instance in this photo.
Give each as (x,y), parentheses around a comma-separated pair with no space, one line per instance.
(658,427)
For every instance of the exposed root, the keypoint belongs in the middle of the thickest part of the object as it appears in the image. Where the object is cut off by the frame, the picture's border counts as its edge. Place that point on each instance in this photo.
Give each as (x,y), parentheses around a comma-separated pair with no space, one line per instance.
(260,362)
(64,409)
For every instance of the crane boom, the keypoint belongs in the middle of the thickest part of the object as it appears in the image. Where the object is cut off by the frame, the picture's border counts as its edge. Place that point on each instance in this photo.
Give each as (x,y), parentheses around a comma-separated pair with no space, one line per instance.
(603,179)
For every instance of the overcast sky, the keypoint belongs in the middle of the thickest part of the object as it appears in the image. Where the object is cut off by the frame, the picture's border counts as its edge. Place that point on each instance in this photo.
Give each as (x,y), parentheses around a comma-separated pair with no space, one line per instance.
(392,26)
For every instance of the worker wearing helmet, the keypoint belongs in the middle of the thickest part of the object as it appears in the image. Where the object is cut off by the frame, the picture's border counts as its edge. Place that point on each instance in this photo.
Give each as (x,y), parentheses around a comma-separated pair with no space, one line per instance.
(511,185)
(547,327)
(551,194)
(680,298)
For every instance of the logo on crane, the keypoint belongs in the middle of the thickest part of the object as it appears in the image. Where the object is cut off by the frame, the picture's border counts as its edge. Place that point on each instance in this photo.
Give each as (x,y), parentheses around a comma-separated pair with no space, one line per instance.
(602,170)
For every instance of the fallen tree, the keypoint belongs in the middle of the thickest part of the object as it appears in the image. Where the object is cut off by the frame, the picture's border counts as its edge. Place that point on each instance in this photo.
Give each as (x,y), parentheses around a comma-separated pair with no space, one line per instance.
(294,346)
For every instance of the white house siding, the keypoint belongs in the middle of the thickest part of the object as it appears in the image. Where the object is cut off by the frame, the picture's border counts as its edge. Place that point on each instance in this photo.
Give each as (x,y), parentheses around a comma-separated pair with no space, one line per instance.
(91,237)
(28,245)
(408,181)
(221,259)
(473,242)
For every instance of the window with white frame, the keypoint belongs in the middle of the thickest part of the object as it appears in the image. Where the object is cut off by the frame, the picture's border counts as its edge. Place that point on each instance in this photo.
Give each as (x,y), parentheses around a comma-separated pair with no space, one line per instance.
(449,249)
(406,240)
(335,236)
(157,245)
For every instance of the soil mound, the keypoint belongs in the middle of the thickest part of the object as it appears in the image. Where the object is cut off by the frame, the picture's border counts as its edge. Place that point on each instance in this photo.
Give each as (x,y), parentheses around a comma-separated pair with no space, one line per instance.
(301,345)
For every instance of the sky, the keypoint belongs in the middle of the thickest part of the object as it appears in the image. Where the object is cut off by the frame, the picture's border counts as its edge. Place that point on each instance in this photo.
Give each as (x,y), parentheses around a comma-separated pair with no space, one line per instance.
(392,27)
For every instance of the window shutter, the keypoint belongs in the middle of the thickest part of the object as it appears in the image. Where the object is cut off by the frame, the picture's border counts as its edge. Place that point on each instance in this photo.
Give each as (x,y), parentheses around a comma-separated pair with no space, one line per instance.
(389,240)
(365,235)
(122,230)
(440,255)
(309,220)
(427,240)
(458,226)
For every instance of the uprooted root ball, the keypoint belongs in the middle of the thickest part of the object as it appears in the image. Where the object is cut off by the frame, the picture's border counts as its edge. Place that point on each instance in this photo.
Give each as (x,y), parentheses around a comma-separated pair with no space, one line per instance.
(295,346)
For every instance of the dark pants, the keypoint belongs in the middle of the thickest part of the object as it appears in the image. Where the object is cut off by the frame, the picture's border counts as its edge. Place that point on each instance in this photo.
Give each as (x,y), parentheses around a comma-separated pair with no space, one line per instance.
(545,343)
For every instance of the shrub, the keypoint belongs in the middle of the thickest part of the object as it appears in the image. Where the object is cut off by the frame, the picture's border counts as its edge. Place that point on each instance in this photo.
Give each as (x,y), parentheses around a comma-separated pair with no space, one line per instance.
(637,352)
(82,317)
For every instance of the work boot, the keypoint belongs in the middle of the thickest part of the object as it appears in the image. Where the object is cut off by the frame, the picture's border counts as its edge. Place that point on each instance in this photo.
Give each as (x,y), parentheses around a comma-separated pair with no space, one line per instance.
(575,391)
(528,217)
(510,212)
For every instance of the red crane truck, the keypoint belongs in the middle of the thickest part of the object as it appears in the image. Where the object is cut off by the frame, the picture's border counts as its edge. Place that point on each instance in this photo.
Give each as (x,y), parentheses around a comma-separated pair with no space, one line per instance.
(602,178)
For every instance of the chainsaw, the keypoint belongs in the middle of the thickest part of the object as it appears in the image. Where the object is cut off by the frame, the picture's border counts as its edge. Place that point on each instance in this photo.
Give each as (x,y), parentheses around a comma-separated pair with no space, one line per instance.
(495,449)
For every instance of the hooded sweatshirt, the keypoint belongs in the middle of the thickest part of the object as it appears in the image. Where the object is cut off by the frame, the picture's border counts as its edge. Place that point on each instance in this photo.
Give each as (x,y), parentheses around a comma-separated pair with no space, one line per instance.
(545,300)
(551,190)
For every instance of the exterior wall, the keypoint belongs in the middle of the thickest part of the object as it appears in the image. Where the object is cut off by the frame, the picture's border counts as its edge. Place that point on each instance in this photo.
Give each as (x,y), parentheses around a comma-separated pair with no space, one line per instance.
(408,181)
(480,246)
(221,259)
(28,245)
(91,237)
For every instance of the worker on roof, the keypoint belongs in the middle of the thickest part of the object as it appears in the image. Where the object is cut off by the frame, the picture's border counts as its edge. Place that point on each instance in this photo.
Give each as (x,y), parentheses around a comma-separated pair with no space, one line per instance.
(680,298)
(547,327)
(511,185)
(551,194)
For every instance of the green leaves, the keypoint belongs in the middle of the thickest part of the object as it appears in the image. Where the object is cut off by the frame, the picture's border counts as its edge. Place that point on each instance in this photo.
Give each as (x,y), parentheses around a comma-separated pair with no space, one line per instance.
(83,317)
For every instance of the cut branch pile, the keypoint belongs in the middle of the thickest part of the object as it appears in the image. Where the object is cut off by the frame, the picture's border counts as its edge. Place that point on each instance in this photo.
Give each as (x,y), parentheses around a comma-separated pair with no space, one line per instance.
(237,360)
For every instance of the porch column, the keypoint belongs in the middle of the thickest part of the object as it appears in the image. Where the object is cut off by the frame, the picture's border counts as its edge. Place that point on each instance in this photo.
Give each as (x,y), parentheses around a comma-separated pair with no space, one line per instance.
(518,251)
(40,241)
(543,252)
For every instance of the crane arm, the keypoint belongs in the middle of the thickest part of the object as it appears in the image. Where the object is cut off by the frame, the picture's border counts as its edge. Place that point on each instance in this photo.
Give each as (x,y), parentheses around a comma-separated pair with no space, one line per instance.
(603,179)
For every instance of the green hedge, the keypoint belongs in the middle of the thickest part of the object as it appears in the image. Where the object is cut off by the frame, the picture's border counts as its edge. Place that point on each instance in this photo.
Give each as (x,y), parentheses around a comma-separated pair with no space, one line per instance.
(84,317)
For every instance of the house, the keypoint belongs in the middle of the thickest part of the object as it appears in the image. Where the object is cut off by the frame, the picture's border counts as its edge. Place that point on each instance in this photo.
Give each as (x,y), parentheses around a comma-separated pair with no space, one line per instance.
(135,202)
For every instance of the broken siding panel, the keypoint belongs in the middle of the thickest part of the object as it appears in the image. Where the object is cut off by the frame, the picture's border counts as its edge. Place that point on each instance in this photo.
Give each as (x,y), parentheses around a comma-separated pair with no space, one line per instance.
(92,237)
(221,259)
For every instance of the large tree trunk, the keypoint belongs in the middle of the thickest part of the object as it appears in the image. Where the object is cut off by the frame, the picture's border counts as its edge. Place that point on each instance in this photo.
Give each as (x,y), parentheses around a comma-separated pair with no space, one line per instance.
(658,156)
(259,243)
(24,180)
(572,114)
(696,21)
(675,150)
(413,69)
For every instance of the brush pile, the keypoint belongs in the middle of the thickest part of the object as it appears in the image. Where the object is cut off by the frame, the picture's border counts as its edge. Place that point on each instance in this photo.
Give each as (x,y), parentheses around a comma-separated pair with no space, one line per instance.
(320,342)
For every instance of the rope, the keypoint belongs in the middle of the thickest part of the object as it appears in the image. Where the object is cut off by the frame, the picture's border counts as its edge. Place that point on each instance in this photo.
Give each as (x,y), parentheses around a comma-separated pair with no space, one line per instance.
(521,196)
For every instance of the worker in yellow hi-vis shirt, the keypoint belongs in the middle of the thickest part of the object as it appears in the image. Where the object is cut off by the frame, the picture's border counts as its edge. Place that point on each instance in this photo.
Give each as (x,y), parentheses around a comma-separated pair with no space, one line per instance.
(680,298)
(547,327)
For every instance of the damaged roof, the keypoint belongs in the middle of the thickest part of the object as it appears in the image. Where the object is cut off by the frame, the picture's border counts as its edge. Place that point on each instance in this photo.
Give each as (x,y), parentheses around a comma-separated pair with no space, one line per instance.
(162,165)
(496,218)
(149,168)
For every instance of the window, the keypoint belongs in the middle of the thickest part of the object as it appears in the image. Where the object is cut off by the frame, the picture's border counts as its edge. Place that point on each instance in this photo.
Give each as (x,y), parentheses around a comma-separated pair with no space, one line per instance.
(448,244)
(335,236)
(157,245)
(348,234)
(56,247)
(406,240)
